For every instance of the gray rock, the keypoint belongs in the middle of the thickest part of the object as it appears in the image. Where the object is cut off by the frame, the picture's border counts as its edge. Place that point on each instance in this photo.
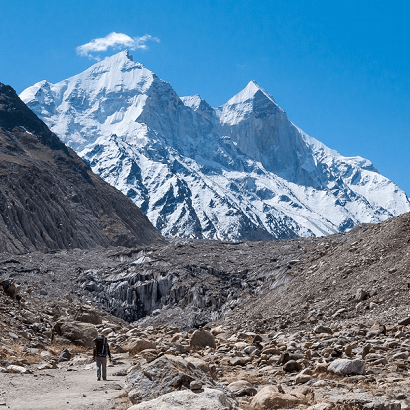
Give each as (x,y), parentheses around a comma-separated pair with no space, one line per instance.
(195,385)
(250,349)
(320,406)
(303,378)
(323,329)
(347,367)
(147,381)
(366,350)
(292,366)
(242,388)
(77,332)
(404,322)
(188,400)
(90,316)
(377,405)
(17,369)
(400,356)
(65,356)
(202,338)
(199,363)
(120,373)
(138,345)
(239,361)
(361,294)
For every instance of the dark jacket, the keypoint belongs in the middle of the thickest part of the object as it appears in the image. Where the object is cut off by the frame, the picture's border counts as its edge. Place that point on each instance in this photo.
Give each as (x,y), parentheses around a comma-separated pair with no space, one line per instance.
(105,351)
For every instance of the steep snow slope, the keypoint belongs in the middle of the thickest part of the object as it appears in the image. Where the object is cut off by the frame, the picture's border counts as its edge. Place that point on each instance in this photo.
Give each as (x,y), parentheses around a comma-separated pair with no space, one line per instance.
(242,170)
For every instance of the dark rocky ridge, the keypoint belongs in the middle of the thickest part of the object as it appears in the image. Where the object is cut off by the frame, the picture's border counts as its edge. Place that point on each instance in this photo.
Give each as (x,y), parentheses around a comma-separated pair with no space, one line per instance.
(49,197)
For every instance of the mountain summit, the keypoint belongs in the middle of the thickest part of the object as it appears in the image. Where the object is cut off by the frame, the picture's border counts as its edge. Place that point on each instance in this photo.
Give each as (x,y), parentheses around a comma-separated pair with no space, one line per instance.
(239,171)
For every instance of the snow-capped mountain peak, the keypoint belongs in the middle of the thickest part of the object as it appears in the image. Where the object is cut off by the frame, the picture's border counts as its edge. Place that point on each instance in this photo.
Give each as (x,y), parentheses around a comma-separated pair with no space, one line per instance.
(252,99)
(250,92)
(242,170)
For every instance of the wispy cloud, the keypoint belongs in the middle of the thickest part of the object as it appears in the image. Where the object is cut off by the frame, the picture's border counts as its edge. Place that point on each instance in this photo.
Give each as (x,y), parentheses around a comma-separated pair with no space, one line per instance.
(116,41)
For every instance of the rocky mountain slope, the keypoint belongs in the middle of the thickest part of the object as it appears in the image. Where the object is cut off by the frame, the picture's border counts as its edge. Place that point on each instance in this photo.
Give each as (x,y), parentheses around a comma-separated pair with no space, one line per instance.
(240,171)
(50,198)
(256,286)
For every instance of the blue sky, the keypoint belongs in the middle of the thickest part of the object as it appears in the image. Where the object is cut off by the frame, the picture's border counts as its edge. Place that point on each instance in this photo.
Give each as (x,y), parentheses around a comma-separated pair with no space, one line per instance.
(340,69)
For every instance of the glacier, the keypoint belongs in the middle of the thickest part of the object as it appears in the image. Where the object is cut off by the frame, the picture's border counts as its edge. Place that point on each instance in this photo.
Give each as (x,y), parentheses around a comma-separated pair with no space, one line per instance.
(239,171)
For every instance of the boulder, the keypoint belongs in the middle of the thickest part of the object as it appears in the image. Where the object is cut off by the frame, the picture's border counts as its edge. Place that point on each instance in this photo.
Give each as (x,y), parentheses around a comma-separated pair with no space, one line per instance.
(217,330)
(270,398)
(135,346)
(344,367)
(149,354)
(202,338)
(47,366)
(292,366)
(303,378)
(323,329)
(167,373)
(89,317)
(17,369)
(189,400)
(320,406)
(239,361)
(9,287)
(361,294)
(242,388)
(77,332)
(198,363)
(404,322)
(65,356)
(195,385)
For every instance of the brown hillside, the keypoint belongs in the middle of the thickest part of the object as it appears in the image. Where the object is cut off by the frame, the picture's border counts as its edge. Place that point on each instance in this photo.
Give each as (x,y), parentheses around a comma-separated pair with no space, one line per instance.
(364,275)
(50,198)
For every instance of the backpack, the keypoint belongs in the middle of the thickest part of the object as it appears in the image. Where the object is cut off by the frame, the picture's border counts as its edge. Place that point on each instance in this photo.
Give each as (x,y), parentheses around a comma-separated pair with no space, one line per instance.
(100,346)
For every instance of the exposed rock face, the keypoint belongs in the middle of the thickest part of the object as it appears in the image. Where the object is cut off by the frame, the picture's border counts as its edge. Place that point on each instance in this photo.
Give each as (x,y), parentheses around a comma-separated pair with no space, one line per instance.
(50,198)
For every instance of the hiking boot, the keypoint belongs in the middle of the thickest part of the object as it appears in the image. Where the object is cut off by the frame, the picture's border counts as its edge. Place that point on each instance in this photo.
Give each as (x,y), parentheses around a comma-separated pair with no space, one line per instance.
(98,378)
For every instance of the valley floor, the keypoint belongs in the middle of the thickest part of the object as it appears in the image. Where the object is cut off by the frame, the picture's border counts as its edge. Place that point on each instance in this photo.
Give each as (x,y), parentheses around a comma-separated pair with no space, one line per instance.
(70,387)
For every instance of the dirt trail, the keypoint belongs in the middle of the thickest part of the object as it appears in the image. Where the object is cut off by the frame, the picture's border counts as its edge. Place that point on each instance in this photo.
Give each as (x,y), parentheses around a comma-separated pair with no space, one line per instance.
(66,388)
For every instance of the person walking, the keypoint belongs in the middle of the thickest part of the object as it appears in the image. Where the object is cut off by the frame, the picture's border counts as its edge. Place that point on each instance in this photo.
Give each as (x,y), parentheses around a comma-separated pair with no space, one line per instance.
(101,351)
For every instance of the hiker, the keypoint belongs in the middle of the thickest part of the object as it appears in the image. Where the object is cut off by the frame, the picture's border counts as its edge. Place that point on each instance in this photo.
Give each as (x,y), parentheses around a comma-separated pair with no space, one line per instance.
(101,351)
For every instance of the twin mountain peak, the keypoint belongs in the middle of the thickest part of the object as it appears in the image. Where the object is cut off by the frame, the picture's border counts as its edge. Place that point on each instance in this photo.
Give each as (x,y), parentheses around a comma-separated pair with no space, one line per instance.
(239,171)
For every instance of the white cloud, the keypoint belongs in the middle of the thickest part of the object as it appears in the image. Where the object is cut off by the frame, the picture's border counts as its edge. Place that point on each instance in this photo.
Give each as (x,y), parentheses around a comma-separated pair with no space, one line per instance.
(115,41)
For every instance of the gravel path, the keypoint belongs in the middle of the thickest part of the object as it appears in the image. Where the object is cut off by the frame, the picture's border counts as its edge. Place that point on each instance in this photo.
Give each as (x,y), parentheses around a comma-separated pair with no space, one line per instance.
(68,388)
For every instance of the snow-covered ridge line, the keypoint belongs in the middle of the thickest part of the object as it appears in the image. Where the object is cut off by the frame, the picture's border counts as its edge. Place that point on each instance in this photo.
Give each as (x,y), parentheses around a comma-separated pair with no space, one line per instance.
(242,170)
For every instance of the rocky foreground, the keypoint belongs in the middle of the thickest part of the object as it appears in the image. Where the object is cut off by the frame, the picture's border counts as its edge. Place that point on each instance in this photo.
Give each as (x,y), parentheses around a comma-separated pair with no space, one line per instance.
(216,367)
(305,323)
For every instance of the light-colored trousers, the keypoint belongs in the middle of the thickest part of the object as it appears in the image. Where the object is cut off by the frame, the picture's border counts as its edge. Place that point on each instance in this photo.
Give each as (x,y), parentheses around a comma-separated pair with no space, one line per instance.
(101,362)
